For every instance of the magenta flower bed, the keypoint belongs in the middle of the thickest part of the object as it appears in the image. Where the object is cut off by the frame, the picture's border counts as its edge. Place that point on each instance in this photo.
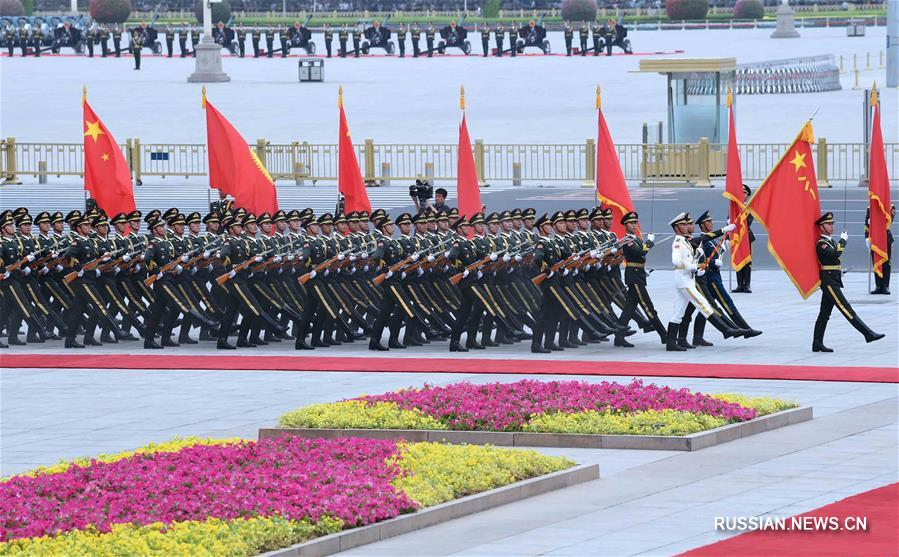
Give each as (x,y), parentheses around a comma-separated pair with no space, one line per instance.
(289,476)
(507,406)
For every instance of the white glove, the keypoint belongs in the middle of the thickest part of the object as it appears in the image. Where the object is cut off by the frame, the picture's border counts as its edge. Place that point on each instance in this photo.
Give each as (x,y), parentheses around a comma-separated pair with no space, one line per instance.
(365,269)
(312,274)
(326,273)
(341,257)
(54,254)
(159,276)
(363,255)
(507,258)
(290,258)
(178,268)
(844,235)
(465,273)
(421,271)
(277,259)
(700,272)
(30,257)
(117,270)
(43,271)
(717,262)
(480,274)
(193,271)
(98,272)
(574,273)
(728,228)
(430,259)
(651,237)
(232,273)
(446,253)
(692,267)
(402,275)
(517,258)
(551,273)
(493,256)
(868,242)
(389,274)
(126,258)
(58,268)
(80,273)
(137,268)
(6,274)
(415,257)
(565,273)
(143,257)
(250,275)
(27,271)
(205,255)
(257,259)
(184,259)
(613,251)
(576,258)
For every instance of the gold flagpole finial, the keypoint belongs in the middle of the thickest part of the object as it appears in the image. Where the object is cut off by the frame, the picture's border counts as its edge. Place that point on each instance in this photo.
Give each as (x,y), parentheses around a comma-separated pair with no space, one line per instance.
(874,94)
(730,96)
(462,97)
(807,134)
(339,96)
(203,99)
(83,94)
(598,98)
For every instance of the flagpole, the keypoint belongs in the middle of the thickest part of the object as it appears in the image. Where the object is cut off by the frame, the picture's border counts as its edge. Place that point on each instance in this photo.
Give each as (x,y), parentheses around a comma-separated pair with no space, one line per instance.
(595,157)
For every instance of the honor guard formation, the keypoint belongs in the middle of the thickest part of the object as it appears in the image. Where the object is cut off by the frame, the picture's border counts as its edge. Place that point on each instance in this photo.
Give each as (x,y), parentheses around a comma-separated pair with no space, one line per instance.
(33,36)
(559,280)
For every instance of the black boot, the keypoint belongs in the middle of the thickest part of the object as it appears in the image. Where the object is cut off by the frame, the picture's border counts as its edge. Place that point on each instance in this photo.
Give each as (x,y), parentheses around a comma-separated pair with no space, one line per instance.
(537,344)
(455,346)
(672,344)
(620,342)
(698,330)
(818,338)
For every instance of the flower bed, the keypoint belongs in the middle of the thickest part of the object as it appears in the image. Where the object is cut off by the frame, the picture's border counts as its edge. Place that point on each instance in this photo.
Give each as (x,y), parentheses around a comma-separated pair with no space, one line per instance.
(539,407)
(241,497)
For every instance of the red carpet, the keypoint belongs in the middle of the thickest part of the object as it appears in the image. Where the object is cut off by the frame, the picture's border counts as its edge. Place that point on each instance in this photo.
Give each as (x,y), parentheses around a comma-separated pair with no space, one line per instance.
(881,538)
(450,54)
(450,365)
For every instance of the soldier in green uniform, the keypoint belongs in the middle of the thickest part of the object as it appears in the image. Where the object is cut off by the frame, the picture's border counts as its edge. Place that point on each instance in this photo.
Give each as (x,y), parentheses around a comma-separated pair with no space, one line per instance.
(829,252)
(498,34)
(241,40)
(342,37)
(10,33)
(401,39)
(329,37)
(136,47)
(513,39)
(597,38)
(357,40)
(429,39)
(169,41)
(635,250)
(415,36)
(584,36)
(182,41)
(117,40)
(569,37)
(194,40)
(485,39)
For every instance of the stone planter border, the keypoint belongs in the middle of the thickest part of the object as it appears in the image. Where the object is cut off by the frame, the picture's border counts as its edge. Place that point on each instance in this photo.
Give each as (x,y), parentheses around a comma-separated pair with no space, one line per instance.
(348,539)
(691,442)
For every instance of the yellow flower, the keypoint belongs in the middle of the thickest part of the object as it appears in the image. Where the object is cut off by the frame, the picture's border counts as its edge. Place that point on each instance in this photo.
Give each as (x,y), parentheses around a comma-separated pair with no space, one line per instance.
(355,414)
(761,404)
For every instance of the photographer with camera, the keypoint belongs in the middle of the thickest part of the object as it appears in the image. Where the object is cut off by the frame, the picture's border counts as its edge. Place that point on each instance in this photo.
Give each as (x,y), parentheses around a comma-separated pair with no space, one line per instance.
(422,193)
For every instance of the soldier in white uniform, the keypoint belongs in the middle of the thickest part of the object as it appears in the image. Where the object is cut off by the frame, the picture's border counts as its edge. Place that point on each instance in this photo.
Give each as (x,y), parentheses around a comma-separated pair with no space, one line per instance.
(685,270)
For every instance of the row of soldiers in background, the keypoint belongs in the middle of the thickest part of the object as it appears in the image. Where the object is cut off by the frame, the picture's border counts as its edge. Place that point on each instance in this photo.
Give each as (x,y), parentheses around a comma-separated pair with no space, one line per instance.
(70,36)
(497,279)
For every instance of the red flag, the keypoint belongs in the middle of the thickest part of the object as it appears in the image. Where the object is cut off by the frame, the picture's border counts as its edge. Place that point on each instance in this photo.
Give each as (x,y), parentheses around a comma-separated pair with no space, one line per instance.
(787,205)
(610,184)
(878,192)
(106,173)
(467,190)
(740,253)
(234,167)
(349,177)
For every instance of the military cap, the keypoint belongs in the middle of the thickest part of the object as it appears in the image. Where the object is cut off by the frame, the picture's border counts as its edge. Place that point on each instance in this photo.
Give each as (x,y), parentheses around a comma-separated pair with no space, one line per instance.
(492,218)
(232,221)
(279,216)
(307,218)
(326,218)
(264,218)
(56,217)
(596,213)
(442,215)
(529,213)
(193,217)
(746,191)
(293,215)
(460,223)
(383,221)
(681,218)
(582,214)
(352,216)
(134,215)
(607,213)
(558,216)
(505,216)
(477,218)
(99,220)
(571,215)
(42,217)
(340,218)
(155,222)
(707,215)
(178,218)
(419,217)
(406,218)
(454,213)
(73,216)
(121,217)
(92,213)
(306,213)
(516,213)
(630,216)
(23,219)
(430,216)
(375,215)
(826,218)
(544,219)
(170,212)
(365,215)
(152,215)
(6,219)
(248,218)
(20,211)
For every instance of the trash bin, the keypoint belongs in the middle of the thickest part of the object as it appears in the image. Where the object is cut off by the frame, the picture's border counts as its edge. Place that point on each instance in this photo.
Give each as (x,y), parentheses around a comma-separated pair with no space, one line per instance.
(311,69)
(856,28)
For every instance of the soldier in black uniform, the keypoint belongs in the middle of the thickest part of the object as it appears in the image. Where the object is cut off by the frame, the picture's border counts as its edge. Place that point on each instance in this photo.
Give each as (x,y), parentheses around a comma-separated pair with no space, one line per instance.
(103,38)
(485,39)
(829,253)
(329,37)
(342,37)
(429,39)
(117,41)
(744,275)
(17,305)
(10,33)
(635,250)
(357,40)
(90,36)
(254,40)
(597,38)
(241,41)
(194,40)
(169,41)
(415,36)
(401,39)
(584,35)
(881,283)
(569,37)
(182,41)
(136,47)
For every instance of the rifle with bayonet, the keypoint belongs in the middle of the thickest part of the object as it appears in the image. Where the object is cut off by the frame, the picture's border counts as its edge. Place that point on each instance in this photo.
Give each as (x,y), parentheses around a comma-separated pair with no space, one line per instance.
(323,265)
(93,264)
(222,279)
(171,265)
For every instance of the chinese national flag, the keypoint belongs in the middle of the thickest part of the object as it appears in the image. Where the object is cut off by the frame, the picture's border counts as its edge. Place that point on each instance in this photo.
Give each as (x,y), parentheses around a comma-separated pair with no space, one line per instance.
(349,177)
(106,173)
(787,205)
(610,185)
(740,253)
(467,190)
(879,193)
(234,168)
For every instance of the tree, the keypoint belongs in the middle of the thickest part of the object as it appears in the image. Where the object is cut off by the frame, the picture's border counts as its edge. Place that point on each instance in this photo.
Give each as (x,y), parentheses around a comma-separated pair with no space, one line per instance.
(686,9)
(110,11)
(11,8)
(749,9)
(579,10)
(221,11)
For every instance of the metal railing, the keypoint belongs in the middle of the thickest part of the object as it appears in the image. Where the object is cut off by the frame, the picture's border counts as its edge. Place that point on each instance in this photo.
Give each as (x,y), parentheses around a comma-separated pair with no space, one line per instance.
(650,163)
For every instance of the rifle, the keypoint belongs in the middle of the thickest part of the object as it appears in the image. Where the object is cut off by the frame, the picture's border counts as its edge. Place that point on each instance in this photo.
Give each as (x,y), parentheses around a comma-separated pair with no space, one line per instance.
(171,265)
(401,264)
(91,265)
(704,265)
(322,266)
(222,279)
(115,262)
(538,280)
(457,278)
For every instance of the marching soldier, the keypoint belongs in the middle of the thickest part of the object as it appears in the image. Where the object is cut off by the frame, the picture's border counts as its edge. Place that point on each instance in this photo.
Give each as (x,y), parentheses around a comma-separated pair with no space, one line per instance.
(241,40)
(103,38)
(569,37)
(498,33)
(329,37)
(829,253)
(254,40)
(635,250)
(182,41)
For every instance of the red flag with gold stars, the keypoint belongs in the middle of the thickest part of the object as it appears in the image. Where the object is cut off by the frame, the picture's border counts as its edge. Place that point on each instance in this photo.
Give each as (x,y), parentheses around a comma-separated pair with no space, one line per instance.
(879,193)
(787,205)
(741,253)
(106,173)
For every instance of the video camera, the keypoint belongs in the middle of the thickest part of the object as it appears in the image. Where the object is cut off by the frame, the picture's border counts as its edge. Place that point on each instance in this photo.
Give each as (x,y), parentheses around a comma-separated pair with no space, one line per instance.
(422,190)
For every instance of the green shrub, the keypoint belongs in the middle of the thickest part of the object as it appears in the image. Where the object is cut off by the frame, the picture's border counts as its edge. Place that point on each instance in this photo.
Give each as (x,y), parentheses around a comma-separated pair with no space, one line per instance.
(679,10)
(491,8)
(221,11)
(110,11)
(579,10)
(11,8)
(749,9)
